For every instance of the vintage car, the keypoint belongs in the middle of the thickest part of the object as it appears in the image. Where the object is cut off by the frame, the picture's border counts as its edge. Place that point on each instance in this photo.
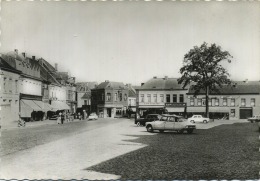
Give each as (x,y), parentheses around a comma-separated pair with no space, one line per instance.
(198,119)
(93,116)
(148,118)
(171,123)
(255,118)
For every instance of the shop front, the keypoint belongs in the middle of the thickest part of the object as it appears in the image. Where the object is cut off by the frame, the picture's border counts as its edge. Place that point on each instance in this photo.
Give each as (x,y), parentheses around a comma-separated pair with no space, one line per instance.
(224,113)
(176,108)
(143,110)
(110,111)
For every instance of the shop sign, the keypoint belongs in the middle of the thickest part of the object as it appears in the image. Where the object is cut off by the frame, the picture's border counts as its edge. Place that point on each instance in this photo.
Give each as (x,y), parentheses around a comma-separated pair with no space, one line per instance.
(175,104)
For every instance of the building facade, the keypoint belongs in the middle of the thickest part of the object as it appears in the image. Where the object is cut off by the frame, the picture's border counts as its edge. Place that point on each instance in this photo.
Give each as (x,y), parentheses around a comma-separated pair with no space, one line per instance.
(240,101)
(161,95)
(9,94)
(84,96)
(109,99)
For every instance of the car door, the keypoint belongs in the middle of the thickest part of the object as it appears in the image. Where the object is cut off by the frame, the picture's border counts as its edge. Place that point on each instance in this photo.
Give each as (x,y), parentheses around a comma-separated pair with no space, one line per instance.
(178,124)
(159,124)
(169,124)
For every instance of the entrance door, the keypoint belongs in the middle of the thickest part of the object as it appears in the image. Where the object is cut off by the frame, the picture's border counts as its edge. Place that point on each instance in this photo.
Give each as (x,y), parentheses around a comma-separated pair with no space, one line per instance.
(245,113)
(109,112)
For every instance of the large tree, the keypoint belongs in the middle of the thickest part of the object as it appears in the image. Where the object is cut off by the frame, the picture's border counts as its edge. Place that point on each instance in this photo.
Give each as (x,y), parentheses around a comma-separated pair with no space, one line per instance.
(203,70)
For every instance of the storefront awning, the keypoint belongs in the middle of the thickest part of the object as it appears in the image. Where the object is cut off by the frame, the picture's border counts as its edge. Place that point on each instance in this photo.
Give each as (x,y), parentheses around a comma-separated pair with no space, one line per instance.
(27,107)
(219,109)
(44,106)
(58,105)
(175,109)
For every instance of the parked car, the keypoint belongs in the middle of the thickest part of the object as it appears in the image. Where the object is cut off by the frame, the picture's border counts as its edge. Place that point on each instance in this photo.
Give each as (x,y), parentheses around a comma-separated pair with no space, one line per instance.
(255,118)
(52,115)
(148,118)
(93,116)
(171,123)
(198,119)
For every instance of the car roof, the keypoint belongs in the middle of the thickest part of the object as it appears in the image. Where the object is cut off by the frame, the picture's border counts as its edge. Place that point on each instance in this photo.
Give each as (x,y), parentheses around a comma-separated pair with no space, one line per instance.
(171,115)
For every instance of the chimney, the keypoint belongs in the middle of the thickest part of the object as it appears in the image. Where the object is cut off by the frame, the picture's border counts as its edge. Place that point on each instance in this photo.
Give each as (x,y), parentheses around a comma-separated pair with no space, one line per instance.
(23,54)
(155,77)
(142,84)
(56,66)
(16,51)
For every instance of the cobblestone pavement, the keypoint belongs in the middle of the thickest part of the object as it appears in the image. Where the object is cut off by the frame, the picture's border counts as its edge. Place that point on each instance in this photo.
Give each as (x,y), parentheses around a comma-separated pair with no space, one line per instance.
(116,148)
(222,152)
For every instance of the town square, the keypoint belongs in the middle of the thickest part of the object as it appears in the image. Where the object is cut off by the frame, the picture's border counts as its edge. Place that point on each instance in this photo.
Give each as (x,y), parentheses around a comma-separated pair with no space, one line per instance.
(109,90)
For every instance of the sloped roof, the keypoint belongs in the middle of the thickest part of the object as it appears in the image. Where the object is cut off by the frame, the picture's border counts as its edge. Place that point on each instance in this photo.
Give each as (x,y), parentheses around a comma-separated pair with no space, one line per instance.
(113,85)
(162,84)
(5,66)
(85,86)
(131,92)
(87,95)
(239,87)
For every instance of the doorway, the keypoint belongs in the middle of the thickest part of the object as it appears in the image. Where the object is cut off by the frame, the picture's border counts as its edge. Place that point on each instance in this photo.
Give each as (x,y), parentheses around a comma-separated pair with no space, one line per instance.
(109,112)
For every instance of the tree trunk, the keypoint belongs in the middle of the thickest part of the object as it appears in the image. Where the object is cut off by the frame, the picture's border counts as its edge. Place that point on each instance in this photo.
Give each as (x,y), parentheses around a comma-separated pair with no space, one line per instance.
(207,101)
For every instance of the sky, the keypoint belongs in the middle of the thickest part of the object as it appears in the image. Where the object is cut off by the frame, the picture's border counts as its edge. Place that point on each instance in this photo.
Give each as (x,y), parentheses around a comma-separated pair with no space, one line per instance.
(129,41)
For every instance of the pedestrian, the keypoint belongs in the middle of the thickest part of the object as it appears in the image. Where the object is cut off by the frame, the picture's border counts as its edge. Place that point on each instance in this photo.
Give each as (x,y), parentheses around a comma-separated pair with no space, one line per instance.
(59,118)
(62,118)
(79,115)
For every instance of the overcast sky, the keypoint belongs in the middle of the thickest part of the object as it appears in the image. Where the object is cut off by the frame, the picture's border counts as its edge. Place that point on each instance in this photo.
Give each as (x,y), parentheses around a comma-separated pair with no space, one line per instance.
(131,41)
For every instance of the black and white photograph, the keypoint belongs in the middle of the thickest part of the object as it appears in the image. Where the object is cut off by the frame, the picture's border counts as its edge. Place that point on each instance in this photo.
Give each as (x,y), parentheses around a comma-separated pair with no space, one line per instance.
(129,89)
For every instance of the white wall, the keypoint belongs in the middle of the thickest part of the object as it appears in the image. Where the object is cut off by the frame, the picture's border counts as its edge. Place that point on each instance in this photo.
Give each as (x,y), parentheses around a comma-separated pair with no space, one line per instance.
(30,86)
(57,92)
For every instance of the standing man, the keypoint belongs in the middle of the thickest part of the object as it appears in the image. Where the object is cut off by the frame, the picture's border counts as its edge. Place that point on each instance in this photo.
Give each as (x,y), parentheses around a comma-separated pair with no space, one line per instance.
(62,117)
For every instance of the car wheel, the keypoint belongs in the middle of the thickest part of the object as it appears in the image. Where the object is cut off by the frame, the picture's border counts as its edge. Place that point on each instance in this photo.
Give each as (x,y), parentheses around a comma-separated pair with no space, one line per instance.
(252,121)
(161,131)
(192,121)
(189,131)
(149,128)
(181,131)
(205,121)
(138,124)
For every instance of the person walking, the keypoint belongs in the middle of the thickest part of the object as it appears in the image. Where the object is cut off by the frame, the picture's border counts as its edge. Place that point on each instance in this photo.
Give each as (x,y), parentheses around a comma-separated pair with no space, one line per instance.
(59,118)
(62,118)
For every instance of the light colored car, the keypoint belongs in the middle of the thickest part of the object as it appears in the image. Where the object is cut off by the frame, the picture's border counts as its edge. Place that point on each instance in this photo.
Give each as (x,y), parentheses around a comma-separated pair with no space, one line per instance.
(93,116)
(198,119)
(255,118)
(170,123)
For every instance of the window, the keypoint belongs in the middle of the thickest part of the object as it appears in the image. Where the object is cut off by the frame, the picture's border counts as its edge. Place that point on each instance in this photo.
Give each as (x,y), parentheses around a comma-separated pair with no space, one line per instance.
(102,96)
(232,111)
(142,98)
(162,98)
(216,102)
(149,97)
(168,98)
(224,102)
(181,98)
(115,97)
(243,102)
(108,96)
(125,97)
(192,101)
(210,102)
(199,102)
(232,102)
(85,102)
(155,97)
(120,97)
(252,102)
(174,98)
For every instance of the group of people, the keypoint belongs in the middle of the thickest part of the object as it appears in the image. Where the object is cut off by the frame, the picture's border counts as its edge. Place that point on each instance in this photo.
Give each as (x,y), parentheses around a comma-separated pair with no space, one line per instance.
(64,116)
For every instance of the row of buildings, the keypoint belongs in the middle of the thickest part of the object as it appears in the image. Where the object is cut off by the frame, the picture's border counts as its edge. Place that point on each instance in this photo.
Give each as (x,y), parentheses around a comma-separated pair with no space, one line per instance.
(239,101)
(35,90)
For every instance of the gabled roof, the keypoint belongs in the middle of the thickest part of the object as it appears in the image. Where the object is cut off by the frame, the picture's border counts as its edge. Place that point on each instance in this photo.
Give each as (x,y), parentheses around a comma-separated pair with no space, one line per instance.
(238,87)
(87,95)
(112,85)
(162,84)
(85,86)
(5,66)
